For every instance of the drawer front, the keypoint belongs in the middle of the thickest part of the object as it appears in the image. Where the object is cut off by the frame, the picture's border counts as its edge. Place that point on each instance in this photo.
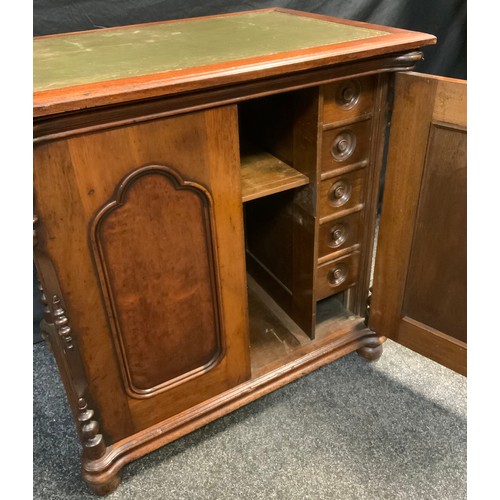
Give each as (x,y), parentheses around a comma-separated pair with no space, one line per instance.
(348,99)
(339,234)
(337,275)
(345,145)
(345,192)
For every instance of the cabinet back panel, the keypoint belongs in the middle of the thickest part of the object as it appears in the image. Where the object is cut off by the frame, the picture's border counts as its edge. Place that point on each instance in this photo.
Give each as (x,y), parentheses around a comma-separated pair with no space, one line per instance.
(269,232)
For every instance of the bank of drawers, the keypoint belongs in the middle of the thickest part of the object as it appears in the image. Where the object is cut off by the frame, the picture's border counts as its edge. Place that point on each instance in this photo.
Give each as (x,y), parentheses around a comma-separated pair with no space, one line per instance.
(345,159)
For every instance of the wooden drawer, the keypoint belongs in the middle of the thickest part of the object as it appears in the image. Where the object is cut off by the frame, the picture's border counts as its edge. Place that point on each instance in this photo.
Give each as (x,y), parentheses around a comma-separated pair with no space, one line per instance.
(341,193)
(348,99)
(339,234)
(346,145)
(337,275)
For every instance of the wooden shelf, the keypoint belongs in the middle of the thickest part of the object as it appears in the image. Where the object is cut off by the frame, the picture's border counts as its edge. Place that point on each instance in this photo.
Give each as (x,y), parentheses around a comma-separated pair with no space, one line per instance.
(263,174)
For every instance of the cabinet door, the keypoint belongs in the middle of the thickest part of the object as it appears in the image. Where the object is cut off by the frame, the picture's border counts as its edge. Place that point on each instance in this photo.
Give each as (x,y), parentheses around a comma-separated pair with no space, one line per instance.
(419,288)
(143,226)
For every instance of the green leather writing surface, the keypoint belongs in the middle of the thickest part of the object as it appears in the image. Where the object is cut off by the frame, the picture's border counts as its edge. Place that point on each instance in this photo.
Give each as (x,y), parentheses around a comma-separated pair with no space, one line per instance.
(83,58)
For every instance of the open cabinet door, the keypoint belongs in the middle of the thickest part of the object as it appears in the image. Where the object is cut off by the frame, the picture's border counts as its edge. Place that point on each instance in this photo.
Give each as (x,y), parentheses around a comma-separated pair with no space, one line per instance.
(420,282)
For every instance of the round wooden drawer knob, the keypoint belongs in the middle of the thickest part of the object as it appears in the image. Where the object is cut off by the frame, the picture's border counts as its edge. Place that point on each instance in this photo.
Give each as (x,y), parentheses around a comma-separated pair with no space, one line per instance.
(343,145)
(340,193)
(337,235)
(348,94)
(338,274)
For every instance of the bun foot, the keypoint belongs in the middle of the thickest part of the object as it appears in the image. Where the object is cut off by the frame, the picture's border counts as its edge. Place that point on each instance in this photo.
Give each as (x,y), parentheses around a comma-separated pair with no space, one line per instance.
(372,350)
(102,488)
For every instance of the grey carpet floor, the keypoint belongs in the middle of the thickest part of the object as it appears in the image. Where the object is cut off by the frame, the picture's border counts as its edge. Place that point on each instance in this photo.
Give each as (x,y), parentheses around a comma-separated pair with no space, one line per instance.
(394,429)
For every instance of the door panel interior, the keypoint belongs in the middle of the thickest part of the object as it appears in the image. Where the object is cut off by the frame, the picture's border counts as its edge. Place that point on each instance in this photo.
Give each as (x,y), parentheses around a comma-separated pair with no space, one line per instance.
(419,291)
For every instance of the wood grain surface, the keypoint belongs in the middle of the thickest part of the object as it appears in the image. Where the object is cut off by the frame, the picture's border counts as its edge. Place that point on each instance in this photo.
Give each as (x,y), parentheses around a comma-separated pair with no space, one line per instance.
(74,180)
(420,282)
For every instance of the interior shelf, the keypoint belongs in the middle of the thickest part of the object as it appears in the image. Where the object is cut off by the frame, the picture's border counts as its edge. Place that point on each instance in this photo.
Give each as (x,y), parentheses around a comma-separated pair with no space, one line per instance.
(263,174)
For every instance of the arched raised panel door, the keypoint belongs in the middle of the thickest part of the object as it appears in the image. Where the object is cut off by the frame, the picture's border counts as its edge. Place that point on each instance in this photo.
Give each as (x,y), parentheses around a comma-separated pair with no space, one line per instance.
(144,225)
(154,245)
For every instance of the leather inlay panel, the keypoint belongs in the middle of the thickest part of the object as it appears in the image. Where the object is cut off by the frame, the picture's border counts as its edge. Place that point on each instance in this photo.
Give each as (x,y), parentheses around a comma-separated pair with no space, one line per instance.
(160,224)
(99,55)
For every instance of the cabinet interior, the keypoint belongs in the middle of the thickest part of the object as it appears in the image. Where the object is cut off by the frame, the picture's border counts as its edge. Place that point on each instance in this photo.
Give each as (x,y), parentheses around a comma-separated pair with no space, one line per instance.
(279,149)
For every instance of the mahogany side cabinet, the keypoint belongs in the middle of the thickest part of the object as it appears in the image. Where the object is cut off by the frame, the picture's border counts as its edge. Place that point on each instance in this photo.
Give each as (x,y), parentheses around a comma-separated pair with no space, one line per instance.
(205,196)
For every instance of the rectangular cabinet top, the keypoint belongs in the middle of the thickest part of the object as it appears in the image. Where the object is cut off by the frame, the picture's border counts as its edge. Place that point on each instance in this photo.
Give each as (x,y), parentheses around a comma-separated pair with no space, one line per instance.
(94,68)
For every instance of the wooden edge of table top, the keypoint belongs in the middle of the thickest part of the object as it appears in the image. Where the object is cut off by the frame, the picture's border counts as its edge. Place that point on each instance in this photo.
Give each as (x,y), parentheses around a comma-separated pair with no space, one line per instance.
(204,77)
